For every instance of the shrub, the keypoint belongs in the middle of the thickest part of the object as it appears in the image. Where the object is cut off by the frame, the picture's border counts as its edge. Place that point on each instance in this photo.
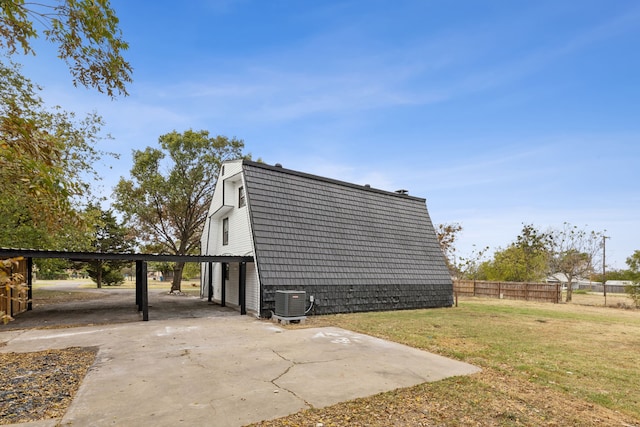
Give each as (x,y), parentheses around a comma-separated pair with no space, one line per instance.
(633,292)
(112,277)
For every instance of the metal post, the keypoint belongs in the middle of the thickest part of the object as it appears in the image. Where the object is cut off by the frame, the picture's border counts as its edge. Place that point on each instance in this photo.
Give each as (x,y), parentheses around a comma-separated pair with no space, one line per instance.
(604,273)
(139,285)
(29,284)
(223,297)
(210,283)
(243,285)
(144,292)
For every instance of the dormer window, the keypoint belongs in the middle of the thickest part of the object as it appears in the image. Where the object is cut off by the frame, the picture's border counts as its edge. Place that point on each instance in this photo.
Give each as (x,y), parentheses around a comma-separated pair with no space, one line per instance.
(241,198)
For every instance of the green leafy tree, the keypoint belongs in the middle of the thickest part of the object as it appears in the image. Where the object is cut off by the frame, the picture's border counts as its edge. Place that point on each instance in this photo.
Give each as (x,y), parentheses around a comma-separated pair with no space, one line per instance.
(573,253)
(85,32)
(52,269)
(525,260)
(633,291)
(46,156)
(105,273)
(109,236)
(507,265)
(169,193)
(535,246)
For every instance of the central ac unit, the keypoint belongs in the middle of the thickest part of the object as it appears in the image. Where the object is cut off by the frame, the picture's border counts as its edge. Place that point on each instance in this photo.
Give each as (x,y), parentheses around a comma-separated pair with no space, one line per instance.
(290,303)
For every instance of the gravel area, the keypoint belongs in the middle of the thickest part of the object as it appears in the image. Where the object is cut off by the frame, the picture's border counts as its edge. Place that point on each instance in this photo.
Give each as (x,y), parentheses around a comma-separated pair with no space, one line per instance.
(41,385)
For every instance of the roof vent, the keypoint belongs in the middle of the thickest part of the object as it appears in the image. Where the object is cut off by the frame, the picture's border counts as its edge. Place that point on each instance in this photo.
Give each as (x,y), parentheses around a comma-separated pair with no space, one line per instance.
(367,185)
(278,165)
(402,191)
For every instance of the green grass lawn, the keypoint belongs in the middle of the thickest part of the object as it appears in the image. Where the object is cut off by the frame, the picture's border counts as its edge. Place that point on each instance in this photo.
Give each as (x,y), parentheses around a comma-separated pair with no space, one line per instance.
(559,363)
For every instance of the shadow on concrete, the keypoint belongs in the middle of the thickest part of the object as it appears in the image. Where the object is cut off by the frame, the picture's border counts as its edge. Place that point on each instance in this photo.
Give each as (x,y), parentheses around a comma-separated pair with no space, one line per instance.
(116,306)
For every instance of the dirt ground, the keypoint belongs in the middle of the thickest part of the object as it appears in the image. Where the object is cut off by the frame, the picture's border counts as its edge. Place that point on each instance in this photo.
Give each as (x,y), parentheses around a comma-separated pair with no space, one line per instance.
(68,305)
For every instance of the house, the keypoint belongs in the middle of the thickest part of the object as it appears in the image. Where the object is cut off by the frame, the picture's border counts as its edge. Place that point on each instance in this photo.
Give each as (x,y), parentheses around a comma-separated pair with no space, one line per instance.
(351,247)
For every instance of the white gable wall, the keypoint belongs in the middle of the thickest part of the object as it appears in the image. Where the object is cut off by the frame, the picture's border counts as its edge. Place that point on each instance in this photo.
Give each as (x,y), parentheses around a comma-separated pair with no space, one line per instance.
(240,243)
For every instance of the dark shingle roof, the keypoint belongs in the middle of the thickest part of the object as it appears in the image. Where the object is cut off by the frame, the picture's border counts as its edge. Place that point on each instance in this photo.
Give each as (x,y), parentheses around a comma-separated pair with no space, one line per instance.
(354,248)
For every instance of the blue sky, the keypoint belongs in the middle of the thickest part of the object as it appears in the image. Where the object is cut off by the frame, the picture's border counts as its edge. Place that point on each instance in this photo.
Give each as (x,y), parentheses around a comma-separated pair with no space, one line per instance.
(499,113)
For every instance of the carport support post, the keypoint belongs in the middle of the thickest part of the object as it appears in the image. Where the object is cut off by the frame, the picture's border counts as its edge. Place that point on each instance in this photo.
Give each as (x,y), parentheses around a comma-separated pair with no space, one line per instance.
(142,290)
(29,284)
(210,282)
(145,293)
(223,297)
(243,285)
(139,285)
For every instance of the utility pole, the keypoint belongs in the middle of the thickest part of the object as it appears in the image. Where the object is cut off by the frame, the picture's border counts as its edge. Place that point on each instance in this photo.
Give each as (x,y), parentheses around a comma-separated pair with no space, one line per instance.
(604,277)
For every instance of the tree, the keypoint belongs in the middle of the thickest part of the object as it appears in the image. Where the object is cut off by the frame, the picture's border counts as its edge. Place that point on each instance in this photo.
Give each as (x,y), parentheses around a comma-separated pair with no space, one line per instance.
(573,252)
(447,235)
(524,260)
(109,237)
(470,266)
(167,200)
(535,246)
(633,291)
(507,265)
(633,262)
(52,268)
(85,32)
(46,156)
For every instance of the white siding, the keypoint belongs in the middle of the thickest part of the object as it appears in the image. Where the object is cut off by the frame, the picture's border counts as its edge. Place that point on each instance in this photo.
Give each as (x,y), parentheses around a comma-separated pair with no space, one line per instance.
(240,242)
(253,289)
(232,285)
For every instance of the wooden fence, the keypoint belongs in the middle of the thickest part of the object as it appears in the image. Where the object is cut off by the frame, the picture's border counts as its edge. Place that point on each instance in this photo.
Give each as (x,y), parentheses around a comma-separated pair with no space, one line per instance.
(547,292)
(14,294)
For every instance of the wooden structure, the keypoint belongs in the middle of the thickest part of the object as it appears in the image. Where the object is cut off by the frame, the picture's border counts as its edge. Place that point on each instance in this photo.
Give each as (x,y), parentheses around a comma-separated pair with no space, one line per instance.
(142,292)
(15,297)
(528,291)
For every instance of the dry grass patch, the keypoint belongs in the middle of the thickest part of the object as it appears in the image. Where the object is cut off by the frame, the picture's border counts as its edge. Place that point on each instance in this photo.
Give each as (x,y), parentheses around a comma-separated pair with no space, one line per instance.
(48,296)
(543,364)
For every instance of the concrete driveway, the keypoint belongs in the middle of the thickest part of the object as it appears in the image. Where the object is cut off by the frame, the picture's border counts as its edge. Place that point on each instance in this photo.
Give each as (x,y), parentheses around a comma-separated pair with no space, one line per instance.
(226,370)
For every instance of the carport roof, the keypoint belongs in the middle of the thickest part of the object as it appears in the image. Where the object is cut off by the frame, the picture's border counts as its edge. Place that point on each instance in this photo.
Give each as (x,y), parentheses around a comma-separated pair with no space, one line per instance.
(78,255)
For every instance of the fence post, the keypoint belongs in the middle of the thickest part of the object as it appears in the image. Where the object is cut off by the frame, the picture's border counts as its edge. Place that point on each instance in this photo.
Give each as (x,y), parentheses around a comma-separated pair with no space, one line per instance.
(526,291)
(474,287)
(499,296)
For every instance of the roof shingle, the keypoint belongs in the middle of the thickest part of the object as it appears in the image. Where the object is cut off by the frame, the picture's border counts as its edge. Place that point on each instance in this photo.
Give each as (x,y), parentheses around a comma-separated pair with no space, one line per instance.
(354,248)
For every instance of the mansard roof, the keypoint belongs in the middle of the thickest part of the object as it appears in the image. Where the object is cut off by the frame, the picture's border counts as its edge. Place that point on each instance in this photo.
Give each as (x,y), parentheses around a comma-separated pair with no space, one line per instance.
(350,240)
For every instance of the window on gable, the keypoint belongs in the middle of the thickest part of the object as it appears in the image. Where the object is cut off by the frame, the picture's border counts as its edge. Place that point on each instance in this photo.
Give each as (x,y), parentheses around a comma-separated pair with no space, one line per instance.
(241,199)
(225,231)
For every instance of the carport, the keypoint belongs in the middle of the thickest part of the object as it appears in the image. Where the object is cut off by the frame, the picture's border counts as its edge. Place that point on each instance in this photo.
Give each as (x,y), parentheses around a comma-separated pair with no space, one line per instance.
(141,260)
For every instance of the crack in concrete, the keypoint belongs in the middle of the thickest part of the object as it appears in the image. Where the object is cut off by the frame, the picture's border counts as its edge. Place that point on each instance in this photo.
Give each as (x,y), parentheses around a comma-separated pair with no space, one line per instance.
(273,381)
(190,355)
